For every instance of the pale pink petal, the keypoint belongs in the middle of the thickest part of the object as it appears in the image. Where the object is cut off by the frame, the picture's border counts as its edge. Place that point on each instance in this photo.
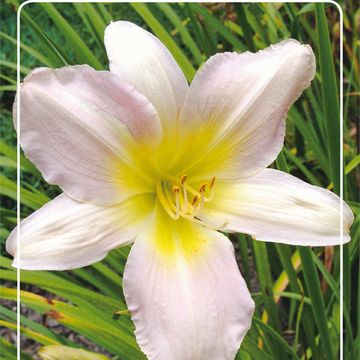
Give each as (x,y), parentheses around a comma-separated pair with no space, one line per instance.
(140,59)
(234,114)
(86,131)
(185,293)
(66,234)
(277,207)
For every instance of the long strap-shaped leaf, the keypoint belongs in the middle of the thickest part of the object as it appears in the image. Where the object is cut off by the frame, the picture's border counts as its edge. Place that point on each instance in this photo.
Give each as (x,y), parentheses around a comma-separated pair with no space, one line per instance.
(216,24)
(318,306)
(185,35)
(329,95)
(80,49)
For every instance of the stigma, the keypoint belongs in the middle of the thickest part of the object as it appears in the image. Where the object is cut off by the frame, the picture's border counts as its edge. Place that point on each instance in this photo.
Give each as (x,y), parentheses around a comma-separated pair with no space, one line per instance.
(180,199)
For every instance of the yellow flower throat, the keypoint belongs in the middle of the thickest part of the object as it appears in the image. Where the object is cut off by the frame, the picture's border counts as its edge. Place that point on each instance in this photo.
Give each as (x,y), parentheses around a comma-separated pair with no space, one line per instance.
(179,199)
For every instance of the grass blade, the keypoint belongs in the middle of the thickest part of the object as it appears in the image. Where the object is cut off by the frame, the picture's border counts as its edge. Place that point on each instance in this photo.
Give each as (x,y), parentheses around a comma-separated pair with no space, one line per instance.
(329,95)
(318,307)
(185,35)
(216,24)
(82,52)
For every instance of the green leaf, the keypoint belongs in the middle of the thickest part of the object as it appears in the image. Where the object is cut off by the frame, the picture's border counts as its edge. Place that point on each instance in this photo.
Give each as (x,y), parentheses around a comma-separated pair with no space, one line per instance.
(185,35)
(101,329)
(355,161)
(266,286)
(11,65)
(248,32)
(329,95)
(56,56)
(82,52)
(299,164)
(32,200)
(249,346)
(42,339)
(36,54)
(218,26)
(284,346)
(318,306)
(10,315)
(10,153)
(8,351)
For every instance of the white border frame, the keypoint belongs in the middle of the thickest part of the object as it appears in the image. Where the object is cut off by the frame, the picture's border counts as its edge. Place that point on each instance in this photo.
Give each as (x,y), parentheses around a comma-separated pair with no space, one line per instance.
(18,14)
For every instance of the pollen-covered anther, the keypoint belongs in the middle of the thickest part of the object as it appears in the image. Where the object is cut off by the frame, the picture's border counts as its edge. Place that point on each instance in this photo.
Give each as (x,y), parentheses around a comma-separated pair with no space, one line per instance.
(183,179)
(195,200)
(212,182)
(202,188)
(209,193)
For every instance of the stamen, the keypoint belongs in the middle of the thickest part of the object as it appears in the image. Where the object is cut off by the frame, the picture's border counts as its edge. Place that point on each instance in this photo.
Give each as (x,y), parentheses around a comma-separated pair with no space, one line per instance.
(195,200)
(175,208)
(185,198)
(200,206)
(164,201)
(202,188)
(176,191)
(184,205)
(173,194)
(183,179)
(211,195)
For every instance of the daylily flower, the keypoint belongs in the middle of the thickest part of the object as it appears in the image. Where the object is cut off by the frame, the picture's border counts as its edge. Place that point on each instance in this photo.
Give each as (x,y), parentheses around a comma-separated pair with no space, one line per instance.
(143,157)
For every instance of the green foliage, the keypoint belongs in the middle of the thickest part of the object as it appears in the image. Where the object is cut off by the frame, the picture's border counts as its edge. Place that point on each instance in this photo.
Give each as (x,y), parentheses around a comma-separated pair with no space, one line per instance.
(297,308)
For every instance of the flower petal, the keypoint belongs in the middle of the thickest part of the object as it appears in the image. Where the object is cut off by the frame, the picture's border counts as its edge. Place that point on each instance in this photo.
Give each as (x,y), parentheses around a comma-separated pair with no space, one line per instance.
(234,114)
(140,59)
(66,234)
(194,303)
(85,131)
(277,207)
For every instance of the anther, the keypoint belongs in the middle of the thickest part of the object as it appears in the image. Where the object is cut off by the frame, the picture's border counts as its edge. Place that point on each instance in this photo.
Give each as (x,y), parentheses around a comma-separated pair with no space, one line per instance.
(175,189)
(212,182)
(202,188)
(183,179)
(195,200)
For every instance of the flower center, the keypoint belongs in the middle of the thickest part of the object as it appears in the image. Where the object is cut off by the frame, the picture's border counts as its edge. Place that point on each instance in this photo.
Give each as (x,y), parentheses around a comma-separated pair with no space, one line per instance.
(180,199)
